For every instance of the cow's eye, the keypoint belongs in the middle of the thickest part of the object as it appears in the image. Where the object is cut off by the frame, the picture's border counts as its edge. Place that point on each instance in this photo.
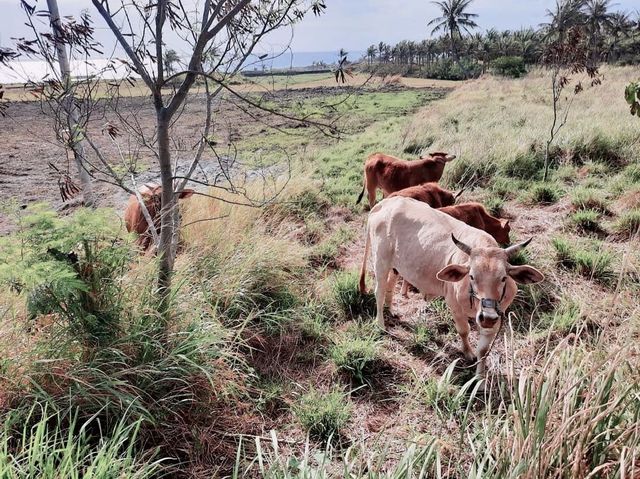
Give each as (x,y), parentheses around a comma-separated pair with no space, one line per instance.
(471,277)
(504,279)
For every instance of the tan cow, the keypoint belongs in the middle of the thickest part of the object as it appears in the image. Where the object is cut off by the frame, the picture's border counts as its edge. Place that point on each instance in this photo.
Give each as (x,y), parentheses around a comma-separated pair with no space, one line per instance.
(134,219)
(429,193)
(473,273)
(392,174)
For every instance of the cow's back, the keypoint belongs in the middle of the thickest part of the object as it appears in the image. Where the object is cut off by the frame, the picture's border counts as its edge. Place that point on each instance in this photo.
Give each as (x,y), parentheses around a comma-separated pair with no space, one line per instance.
(418,238)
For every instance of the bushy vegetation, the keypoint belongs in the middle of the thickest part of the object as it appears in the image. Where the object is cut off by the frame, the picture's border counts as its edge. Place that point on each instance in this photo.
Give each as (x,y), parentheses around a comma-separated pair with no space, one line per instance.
(513,67)
(592,262)
(323,415)
(268,330)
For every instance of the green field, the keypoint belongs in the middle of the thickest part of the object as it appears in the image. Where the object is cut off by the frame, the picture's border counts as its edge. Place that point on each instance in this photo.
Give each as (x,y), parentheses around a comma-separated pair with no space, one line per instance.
(273,366)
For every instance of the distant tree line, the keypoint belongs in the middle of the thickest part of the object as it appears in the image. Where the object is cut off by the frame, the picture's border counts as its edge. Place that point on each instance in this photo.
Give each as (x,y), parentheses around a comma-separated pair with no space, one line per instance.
(611,36)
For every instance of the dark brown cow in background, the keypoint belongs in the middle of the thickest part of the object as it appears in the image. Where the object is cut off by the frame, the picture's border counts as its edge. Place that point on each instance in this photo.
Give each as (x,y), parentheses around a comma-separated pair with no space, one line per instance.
(392,174)
(474,214)
(429,193)
(134,219)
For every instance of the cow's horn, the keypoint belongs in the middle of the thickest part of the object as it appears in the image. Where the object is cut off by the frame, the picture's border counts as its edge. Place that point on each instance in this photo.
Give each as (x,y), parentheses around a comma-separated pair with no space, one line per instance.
(465,248)
(512,250)
(450,157)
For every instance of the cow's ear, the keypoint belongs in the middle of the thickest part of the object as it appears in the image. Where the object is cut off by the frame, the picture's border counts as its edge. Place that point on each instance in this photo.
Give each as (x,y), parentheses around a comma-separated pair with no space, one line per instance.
(453,273)
(186,193)
(525,274)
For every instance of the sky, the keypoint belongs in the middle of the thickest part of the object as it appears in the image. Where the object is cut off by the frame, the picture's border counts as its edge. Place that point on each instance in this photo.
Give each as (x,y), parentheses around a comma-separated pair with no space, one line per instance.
(350,24)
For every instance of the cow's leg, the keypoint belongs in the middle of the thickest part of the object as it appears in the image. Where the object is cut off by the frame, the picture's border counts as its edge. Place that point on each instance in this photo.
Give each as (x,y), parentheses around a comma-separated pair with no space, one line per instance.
(462,326)
(382,277)
(405,288)
(391,287)
(371,194)
(485,341)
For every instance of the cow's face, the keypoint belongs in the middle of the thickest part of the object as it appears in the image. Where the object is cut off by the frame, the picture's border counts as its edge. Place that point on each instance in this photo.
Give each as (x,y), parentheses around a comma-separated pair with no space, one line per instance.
(442,157)
(502,235)
(488,274)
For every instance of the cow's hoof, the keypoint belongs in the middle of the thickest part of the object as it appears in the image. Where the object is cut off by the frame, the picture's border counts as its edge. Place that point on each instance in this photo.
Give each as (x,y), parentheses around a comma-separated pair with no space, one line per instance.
(469,356)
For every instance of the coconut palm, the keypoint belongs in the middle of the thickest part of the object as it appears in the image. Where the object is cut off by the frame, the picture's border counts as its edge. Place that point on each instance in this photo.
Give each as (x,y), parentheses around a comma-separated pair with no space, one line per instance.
(598,18)
(453,20)
(565,15)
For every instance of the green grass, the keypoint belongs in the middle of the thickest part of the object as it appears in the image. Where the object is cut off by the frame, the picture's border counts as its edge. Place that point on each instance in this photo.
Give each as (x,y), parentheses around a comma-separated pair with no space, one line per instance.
(422,338)
(589,199)
(593,263)
(350,301)
(45,448)
(356,350)
(323,415)
(628,224)
(562,319)
(543,193)
(326,252)
(586,221)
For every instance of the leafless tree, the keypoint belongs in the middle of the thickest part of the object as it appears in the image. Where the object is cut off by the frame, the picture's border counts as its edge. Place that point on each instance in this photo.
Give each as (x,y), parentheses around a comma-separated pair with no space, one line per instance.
(220,35)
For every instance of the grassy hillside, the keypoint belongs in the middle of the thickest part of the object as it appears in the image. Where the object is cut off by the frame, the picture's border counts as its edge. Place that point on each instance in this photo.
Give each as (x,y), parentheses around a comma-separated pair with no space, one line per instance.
(273,366)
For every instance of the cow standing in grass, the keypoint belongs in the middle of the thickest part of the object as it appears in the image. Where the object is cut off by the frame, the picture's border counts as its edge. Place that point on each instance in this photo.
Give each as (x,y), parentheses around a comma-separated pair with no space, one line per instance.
(392,174)
(134,218)
(444,257)
(429,193)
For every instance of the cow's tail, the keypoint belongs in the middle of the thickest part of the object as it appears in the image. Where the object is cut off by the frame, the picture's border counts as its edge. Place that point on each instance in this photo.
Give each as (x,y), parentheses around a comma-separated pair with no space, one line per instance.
(363,272)
(364,187)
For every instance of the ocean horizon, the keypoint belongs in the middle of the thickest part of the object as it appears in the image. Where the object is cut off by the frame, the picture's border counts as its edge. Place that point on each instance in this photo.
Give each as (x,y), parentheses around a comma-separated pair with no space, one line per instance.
(25,71)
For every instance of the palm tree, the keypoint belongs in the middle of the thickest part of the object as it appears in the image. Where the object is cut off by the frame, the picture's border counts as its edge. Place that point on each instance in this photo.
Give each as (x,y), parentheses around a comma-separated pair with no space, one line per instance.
(567,14)
(598,19)
(371,54)
(454,18)
(619,26)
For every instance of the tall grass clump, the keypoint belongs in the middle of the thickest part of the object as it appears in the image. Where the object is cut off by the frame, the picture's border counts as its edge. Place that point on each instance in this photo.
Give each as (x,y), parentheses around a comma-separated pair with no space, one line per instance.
(577,418)
(355,351)
(628,224)
(323,415)
(349,299)
(543,193)
(593,263)
(586,221)
(52,446)
(421,458)
(589,199)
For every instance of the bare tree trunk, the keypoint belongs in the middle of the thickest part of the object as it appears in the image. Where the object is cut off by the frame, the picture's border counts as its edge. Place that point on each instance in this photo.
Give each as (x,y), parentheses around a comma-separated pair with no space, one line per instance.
(166,248)
(76,141)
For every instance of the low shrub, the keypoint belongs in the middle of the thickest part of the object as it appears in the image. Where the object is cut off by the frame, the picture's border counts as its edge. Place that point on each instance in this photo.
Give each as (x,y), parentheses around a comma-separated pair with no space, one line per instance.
(512,67)
(598,149)
(322,415)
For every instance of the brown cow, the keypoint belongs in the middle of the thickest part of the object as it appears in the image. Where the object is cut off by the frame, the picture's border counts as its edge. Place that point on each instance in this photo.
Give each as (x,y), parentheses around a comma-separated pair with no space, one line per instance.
(429,193)
(392,174)
(473,214)
(134,219)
